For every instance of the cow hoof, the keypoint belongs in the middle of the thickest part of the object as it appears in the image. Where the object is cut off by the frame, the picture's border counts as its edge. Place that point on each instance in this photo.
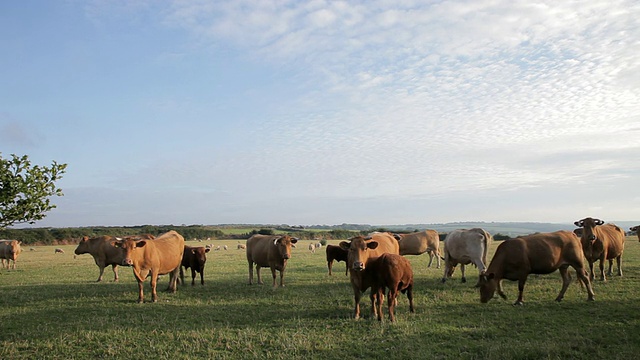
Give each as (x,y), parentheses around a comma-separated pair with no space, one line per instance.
(464,280)
(591,299)
(518,303)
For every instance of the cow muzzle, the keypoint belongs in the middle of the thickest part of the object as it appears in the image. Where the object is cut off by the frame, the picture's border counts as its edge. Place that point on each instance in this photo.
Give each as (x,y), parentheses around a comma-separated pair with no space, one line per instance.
(127,262)
(358,266)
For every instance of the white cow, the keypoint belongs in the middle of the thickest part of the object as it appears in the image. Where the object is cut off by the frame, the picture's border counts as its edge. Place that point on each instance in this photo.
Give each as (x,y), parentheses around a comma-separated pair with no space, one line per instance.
(465,247)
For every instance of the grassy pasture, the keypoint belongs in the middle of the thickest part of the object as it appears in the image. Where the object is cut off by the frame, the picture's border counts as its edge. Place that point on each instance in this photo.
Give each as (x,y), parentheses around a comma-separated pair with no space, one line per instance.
(51,308)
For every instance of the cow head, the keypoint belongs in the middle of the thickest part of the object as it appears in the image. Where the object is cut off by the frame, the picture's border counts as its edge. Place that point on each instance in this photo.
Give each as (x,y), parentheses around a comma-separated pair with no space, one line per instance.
(637,231)
(13,250)
(83,246)
(129,249)
(200,254)
(588,226)
(358,251)
(283,244)
(487,285)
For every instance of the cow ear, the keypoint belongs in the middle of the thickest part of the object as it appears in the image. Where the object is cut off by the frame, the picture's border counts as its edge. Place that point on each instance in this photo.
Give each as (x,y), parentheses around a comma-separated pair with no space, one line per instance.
(141,243)
(345,245)
(193,251)
(294,240)
(372,245)
(207,250)
(397,237)
(85,238)
(115,244)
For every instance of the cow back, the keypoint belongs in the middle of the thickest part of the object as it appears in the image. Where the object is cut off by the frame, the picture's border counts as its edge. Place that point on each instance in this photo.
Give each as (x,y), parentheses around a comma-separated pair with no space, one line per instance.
(419,242)
(613,239)
(464,243)
(164,252)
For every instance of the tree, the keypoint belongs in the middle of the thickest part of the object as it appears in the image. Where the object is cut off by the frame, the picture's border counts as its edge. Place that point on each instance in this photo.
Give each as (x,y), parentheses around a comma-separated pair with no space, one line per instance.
(25,189)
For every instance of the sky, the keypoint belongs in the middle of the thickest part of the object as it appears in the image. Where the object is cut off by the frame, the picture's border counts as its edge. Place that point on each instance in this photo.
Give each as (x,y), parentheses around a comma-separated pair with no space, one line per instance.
(326,112)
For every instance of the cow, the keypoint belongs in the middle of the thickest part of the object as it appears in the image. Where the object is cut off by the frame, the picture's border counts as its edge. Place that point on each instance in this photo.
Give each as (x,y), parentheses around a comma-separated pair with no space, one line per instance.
(225,247)
(602,242)
(58,251)
(636,229)
(194,258)
(160,256)
(9,251)
(465,247)
(338,254)
(393,272)
(312,248)
(420,242)
(270,251)
(361,250)
(241,246)
(541,253)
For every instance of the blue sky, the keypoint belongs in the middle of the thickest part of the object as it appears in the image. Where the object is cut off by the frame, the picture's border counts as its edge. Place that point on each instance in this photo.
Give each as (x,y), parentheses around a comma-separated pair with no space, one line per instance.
(325,112)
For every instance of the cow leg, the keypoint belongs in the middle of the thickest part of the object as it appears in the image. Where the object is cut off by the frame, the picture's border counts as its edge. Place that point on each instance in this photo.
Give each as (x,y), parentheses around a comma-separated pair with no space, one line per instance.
(521,283)
(602,276)
(500,291)
(409,291)
(372,297)
(591,273)
(140,277)
(430,259)
(258,274)
(202,276)
(273,275)
(250,272)
(330,265)
(378,300)
(618,261)
(356,298)
(114,267)
(173,280)
(464,279)
(391,302)
(438,259)
(582,276)
(181,275)
(566,280)
(154,284)
(610,271)
(101,272)
(193,276)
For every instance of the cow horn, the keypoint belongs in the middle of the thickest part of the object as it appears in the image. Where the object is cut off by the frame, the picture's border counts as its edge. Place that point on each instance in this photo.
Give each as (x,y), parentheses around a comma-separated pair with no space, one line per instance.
(368,238)
(579,223)
(599,222)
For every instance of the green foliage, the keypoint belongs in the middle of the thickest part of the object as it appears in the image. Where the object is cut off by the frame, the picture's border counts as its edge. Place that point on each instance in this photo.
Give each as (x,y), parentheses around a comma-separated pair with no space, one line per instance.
(25,189)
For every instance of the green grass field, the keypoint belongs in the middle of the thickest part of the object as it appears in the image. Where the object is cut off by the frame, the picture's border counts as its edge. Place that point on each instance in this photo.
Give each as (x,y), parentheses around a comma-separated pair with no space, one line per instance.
(52,308)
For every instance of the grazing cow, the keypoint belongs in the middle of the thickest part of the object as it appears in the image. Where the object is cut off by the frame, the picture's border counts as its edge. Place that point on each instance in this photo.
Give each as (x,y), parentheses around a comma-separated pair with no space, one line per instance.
(194,258)
(241,246)
(393,272)
(9,251)
(465,247)
(160,256)
(270,251)
(338,254)
(602,242)
(361,251)
(225,247)
(312,248)
(541,253)
(637,230)
(58,251)
(420,242)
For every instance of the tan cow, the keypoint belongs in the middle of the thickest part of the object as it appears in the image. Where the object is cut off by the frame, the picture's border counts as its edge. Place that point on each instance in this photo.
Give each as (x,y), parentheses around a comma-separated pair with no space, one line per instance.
(602,242)
(541,253)
(162,255)
(361,250)
(270,251)
(637,231)
(465,247)
(104,253)
(393,272)
(420,242)
(9,251)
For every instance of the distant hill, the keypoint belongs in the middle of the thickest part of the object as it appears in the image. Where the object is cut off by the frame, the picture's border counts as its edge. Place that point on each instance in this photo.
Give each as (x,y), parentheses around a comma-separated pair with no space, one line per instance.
(505,228)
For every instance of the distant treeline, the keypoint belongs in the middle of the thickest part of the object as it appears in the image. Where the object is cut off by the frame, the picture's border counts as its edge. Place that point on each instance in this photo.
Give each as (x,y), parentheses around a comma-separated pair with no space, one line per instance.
(55,236)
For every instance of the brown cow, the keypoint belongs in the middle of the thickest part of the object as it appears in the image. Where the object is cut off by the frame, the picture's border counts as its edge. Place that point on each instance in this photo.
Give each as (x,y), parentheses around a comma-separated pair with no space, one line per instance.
(361,251)
(602,242)
(392,272)
(270,251)
(541,253)
(338,254)
(9,251)
(162,255)
(194,258)
(637,230)
(104,253)
(420,242)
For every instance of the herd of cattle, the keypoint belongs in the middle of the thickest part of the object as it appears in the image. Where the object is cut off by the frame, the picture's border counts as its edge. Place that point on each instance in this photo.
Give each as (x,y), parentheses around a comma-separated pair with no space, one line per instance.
(375,261)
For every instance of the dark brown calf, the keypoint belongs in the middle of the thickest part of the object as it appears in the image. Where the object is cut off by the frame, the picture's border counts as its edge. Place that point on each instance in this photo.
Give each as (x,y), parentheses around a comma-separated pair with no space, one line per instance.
(194,258)
(637,231)
(338,254)
(541,253)
(392,272)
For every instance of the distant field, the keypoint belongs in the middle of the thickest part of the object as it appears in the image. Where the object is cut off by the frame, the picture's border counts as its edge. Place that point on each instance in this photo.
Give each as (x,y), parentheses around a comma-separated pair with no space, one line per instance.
(51,308)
